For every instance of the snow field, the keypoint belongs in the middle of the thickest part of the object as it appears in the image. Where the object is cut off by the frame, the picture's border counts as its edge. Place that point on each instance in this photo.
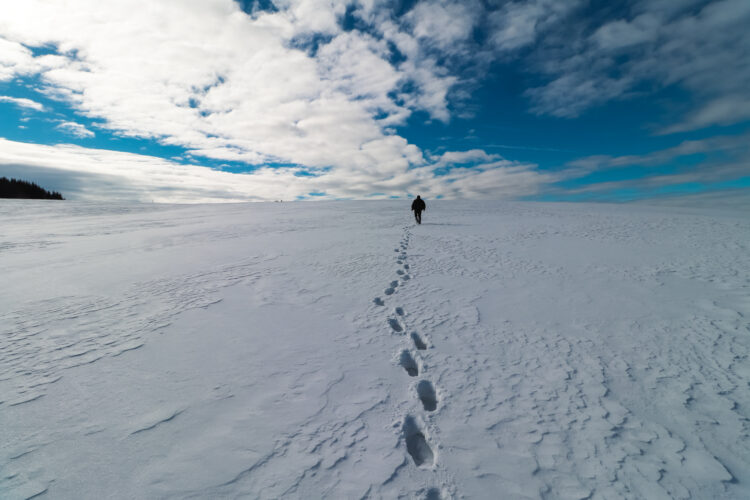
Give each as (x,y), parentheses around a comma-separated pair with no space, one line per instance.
(309,350)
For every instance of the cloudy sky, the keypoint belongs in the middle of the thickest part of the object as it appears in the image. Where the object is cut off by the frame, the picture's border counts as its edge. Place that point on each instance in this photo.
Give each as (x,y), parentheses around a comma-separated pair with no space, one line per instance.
(221,100)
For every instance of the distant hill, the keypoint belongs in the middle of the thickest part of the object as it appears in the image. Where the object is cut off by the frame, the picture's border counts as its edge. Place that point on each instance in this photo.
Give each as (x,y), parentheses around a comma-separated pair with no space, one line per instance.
(13,188)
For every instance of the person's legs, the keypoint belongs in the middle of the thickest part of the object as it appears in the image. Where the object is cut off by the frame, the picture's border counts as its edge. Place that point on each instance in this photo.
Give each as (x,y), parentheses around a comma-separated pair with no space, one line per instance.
(418,216)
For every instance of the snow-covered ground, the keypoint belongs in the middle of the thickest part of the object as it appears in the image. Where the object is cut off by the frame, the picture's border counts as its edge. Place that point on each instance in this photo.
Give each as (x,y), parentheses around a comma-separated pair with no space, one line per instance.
(335,349)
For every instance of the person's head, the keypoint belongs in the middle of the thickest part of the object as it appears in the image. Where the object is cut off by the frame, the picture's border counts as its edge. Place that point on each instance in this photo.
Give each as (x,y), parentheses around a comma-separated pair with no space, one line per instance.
(417,196)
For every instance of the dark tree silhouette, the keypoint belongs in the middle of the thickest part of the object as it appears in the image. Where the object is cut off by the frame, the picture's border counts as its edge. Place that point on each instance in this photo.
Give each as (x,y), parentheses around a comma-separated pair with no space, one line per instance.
(12,188)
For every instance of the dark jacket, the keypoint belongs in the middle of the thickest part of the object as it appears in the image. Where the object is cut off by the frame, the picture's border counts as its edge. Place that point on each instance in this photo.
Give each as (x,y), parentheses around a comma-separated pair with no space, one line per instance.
(418,205)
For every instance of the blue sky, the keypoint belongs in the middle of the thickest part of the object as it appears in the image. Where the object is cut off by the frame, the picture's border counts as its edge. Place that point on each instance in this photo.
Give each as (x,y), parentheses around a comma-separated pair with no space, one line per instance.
(218,100)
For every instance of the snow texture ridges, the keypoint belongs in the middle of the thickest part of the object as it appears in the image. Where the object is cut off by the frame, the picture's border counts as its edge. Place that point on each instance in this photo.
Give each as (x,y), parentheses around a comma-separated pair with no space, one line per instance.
(536,351)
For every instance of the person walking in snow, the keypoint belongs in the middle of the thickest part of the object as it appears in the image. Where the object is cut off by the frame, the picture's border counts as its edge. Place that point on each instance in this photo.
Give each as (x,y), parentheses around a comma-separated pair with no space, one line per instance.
(417,206)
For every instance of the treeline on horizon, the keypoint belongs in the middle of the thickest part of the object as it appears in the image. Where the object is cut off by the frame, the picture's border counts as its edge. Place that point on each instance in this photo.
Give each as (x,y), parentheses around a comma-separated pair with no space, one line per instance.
(13,188)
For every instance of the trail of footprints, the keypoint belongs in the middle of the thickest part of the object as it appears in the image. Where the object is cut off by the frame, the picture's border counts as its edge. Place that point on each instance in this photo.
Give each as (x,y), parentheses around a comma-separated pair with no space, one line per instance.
(417,444)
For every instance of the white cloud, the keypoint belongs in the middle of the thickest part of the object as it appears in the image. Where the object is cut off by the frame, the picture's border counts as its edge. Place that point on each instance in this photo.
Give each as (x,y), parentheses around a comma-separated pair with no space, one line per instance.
(701,46)
(312,16)
(357,65)
(75,129)
(227,85)
(570,94)
(620,34)
(518,24)
(285,86)
(727,158)
(442,23)
(15,59)
(464,157)
(96,174)
(291,86)
(723,110)
(727,145)
(22,102)
(720,171)
(497,180)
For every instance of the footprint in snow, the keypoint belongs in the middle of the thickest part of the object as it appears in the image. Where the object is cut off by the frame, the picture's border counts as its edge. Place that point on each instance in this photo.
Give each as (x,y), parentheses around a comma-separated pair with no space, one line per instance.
(433,494)
(427,395)
(394,284)
(399,311)
(395,325)
(418,342)
(406,277)
(389,291)
(416,443)
(399,272)
(406,266)
(407,363)
(378,301)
